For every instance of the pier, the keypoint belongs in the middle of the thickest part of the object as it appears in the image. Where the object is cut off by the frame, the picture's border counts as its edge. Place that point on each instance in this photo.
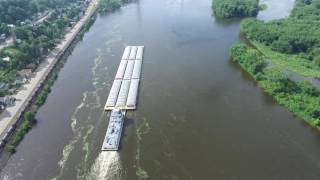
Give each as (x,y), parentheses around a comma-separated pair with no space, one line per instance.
(123,95)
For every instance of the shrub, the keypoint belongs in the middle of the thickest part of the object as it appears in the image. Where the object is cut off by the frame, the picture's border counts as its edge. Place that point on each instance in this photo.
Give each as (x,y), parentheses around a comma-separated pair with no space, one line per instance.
(235,8)
(109,5)
(299,97)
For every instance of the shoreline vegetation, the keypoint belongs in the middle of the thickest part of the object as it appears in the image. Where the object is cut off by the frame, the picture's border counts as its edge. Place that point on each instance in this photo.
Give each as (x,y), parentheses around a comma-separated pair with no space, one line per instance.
(301,98)
(290,44)
(28,121)
(109,5)
(235,8)
(293,63)
(28,118)
(33,40)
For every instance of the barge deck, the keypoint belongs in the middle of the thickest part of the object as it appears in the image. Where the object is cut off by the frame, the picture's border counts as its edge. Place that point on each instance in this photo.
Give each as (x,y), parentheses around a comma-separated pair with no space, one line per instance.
(123,95)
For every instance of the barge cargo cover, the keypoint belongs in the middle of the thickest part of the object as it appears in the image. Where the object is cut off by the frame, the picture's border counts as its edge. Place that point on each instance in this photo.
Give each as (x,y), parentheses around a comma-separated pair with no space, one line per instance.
(129,72)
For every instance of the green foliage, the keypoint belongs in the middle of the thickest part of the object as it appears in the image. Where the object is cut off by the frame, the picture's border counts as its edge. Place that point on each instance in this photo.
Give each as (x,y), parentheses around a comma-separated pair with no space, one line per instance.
(29,116)
(292,43)
(15,11)
(290,36)
(109,5)
(299,34)
(263,7)
(34,42)
(4,29)
(37,41)
(301,98)
(250,59)
(317,60)
(27,122)
(18,58)
(235,8)
(41,99)
(291,62)
(8,76)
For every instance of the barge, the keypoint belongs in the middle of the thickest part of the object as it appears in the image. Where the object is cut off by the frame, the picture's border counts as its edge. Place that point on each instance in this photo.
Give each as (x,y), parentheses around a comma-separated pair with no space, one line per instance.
(124,90)
(123,95)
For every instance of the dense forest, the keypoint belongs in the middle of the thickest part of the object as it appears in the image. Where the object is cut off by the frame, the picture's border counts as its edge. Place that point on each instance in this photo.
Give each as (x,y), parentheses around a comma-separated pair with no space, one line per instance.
(33,42)
(15,11)
(109,5)
(235,8)
(299,97)
(297,35)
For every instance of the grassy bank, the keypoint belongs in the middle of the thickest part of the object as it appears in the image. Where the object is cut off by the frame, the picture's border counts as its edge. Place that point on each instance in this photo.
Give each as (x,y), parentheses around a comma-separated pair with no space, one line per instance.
(235,8)
(292,43)
(301,98)
(28,121)
(289,61)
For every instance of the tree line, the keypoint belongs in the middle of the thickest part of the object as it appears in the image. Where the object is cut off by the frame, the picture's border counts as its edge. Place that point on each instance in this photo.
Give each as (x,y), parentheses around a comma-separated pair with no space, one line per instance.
(34,42)
(109,5)
(15,11)
(299,97)
(235,8)
(299,34)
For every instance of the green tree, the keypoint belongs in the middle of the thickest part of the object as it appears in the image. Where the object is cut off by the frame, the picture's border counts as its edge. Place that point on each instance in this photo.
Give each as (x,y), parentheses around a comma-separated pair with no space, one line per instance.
(109,5)
(235,8)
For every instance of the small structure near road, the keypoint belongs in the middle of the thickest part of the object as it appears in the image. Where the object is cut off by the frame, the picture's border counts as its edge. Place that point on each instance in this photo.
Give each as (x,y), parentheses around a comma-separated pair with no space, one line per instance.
(26,73)
(7,59)
(6,101)
(3,85)
(2,37)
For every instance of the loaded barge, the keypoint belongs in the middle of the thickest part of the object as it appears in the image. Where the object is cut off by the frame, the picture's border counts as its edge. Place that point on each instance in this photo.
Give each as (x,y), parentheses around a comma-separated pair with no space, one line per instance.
(123,95)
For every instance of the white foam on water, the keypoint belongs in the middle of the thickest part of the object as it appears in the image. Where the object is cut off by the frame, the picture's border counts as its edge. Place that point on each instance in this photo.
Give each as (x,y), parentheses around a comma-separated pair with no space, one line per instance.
(107,166)
(67,149)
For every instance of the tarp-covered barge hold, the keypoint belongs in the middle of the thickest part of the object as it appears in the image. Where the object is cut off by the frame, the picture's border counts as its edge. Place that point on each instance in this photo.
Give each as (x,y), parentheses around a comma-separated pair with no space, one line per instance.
(124,91)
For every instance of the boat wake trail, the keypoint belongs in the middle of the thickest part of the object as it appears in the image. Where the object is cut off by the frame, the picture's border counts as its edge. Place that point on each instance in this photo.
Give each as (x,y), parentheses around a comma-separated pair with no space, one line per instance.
(107,166)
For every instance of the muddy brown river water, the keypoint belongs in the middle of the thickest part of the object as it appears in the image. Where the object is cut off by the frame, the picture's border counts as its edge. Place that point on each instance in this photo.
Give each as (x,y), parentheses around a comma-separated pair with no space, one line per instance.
(199,115)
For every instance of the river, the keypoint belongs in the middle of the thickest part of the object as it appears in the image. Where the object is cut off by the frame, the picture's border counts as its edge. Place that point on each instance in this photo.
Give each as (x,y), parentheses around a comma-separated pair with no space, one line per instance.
(275,9)
(199,115)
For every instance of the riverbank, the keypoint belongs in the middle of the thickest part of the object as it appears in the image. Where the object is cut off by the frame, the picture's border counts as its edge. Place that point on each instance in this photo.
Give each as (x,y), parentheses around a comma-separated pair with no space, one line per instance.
(291,43)
(192,96)
(293,63)
(11,116)
(301,98)
(278,47)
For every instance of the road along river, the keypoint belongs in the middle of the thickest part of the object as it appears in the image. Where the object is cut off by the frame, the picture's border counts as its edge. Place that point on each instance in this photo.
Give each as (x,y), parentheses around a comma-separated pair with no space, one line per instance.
(199,115)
